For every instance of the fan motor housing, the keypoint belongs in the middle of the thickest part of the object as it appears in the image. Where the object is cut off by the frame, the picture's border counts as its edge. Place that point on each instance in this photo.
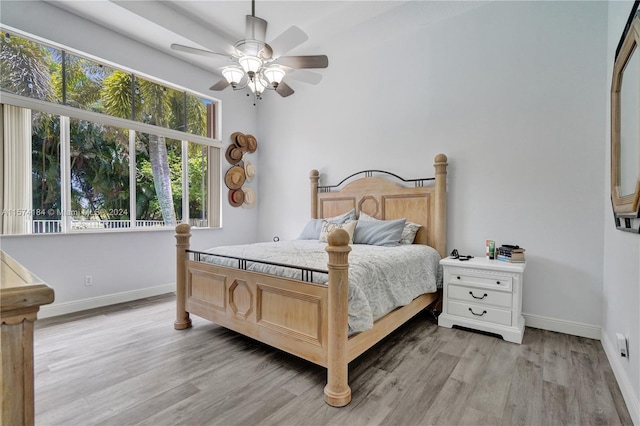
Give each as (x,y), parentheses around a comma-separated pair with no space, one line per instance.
(251,47)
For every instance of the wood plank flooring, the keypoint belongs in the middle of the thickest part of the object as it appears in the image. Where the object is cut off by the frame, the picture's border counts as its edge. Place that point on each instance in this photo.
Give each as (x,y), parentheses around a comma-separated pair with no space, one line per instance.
(126,365)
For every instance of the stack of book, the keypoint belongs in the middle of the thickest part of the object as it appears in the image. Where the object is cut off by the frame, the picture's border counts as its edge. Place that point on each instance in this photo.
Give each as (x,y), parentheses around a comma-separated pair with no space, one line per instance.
(510,253)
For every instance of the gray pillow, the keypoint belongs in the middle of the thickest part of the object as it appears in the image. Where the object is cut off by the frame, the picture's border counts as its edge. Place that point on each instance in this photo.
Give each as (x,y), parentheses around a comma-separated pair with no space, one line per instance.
(379,232)
(345,217)
(408,233)
(312,230)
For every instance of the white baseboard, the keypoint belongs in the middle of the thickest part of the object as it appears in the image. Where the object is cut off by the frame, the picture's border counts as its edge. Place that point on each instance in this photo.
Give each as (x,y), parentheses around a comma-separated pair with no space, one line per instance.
(630,397)
(563,326)
(57,309)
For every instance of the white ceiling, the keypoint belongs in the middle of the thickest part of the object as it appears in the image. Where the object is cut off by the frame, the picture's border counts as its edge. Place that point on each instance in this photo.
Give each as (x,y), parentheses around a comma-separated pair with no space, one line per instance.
(216,25)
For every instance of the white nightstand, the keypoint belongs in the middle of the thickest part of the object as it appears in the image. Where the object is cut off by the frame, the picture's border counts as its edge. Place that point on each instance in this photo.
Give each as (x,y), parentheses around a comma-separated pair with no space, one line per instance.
(484,295)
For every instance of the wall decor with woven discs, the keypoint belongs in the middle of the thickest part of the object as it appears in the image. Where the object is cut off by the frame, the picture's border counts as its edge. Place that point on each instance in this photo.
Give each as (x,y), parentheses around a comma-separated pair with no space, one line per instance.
(241,171)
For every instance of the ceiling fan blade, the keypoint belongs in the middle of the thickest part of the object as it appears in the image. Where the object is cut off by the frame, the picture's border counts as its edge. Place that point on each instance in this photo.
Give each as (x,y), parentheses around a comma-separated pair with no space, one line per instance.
(289,39)
(201,52)
(305,76)
(313,61)
(284,89)
(220,85)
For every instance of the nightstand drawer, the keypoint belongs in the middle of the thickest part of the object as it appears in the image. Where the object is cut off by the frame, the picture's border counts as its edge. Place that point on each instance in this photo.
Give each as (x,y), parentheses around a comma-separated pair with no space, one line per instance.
(479,279)
(480,296)
(479,313)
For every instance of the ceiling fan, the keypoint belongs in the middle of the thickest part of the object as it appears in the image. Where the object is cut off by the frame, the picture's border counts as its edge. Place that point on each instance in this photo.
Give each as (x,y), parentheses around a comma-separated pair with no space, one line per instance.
(259,65)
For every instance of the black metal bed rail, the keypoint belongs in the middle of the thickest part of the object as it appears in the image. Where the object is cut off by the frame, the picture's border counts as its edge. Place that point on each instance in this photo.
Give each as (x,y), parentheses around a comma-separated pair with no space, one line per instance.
(369,173)
(306,274)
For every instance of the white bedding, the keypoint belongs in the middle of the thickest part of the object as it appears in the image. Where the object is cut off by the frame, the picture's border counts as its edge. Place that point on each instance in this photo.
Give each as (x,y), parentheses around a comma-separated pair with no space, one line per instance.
(411,270)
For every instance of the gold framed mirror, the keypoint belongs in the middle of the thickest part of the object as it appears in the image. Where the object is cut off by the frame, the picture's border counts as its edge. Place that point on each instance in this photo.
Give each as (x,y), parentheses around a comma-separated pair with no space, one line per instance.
(625,130)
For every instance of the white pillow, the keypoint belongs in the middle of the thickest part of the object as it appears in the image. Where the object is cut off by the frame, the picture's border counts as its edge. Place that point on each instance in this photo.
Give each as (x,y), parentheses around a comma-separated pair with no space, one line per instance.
(327,227)
(408,233)
(312,230)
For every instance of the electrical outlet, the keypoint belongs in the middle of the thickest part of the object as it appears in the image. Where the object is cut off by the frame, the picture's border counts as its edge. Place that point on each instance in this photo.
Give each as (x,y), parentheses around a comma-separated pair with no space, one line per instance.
(623,345)
(88,280)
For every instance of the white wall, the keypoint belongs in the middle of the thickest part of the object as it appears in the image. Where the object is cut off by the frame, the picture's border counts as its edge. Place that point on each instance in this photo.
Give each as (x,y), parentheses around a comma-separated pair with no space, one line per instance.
(621,258)
(128,264)
(513,92)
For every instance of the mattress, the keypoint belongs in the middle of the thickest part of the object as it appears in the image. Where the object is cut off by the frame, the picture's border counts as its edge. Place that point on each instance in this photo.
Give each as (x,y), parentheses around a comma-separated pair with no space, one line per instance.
(380,278)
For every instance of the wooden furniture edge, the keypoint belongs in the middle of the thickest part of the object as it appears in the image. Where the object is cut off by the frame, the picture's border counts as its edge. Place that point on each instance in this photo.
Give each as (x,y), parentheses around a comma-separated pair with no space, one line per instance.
(337,391)
(183,235)
(440,210)
(21,295)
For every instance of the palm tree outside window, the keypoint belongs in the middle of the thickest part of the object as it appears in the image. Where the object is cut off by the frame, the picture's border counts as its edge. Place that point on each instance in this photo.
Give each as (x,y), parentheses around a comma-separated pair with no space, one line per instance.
(89,173)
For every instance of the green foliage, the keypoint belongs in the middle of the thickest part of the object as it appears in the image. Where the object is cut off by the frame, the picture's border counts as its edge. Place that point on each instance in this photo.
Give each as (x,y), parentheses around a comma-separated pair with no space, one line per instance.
(84,80)
(196,116)
(46,166)
(99,153)
(197,180)
(99,171)
(116,94)
(24,68)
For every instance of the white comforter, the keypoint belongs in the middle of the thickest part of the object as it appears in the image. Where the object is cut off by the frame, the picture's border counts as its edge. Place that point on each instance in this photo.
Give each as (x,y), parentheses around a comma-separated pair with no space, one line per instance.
(380,278)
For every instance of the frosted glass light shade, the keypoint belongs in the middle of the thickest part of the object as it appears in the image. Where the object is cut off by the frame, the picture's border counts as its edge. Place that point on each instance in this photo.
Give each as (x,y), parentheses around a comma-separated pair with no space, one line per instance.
(250,63)
(232,74)
(257,85)
(274,75)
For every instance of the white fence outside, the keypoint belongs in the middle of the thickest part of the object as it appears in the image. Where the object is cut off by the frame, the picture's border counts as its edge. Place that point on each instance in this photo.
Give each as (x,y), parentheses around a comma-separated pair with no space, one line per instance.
(55,226)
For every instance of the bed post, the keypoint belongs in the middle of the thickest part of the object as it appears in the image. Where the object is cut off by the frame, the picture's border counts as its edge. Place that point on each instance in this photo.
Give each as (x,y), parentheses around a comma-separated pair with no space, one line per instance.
(337,391)
(314,176)
(441,204)
(182,245)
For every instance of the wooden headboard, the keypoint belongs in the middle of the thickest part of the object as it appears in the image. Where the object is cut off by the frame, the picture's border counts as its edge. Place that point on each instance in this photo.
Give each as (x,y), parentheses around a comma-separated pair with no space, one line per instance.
(390,197)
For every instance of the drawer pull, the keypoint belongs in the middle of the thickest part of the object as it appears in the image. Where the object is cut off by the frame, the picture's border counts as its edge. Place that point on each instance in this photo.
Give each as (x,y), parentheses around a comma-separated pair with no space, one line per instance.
(498,282)
(476,297)
(458,277)
(478,315)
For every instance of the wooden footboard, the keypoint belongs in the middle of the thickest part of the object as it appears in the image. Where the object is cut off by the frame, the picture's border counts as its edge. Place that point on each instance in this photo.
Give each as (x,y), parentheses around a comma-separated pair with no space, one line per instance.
(288,314)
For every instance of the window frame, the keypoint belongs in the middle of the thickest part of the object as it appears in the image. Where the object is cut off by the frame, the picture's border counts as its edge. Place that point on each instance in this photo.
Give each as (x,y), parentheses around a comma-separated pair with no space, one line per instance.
(214,164)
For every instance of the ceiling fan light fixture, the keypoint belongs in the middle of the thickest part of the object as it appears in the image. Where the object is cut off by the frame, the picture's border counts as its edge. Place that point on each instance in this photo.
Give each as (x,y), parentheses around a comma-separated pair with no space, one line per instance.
(250,63)
(233,75)
(274,75)
(259,65)
(257,85)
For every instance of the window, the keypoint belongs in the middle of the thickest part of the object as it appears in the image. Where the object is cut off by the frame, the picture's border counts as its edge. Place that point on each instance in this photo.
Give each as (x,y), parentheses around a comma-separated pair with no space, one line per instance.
(99,166)
(86,146)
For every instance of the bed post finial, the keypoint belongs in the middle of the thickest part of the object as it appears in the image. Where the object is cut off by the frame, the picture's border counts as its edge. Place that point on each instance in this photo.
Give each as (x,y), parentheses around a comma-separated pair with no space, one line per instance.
(183,235)
(314,176)
(337,391)
(440,164)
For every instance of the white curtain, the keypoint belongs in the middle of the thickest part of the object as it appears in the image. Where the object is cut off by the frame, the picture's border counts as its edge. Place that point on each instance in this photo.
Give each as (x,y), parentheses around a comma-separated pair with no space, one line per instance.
(16,171)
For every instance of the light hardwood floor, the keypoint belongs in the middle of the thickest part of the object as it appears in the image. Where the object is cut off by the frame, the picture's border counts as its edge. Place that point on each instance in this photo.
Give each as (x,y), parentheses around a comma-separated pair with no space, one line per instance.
(121,365)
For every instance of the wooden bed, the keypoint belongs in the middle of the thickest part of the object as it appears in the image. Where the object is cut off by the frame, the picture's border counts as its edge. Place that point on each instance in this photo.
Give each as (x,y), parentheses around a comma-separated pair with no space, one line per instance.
(306,319)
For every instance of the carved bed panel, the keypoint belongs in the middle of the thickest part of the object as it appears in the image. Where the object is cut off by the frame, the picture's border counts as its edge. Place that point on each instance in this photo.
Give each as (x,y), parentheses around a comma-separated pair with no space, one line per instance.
(268,308)
(305,319)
